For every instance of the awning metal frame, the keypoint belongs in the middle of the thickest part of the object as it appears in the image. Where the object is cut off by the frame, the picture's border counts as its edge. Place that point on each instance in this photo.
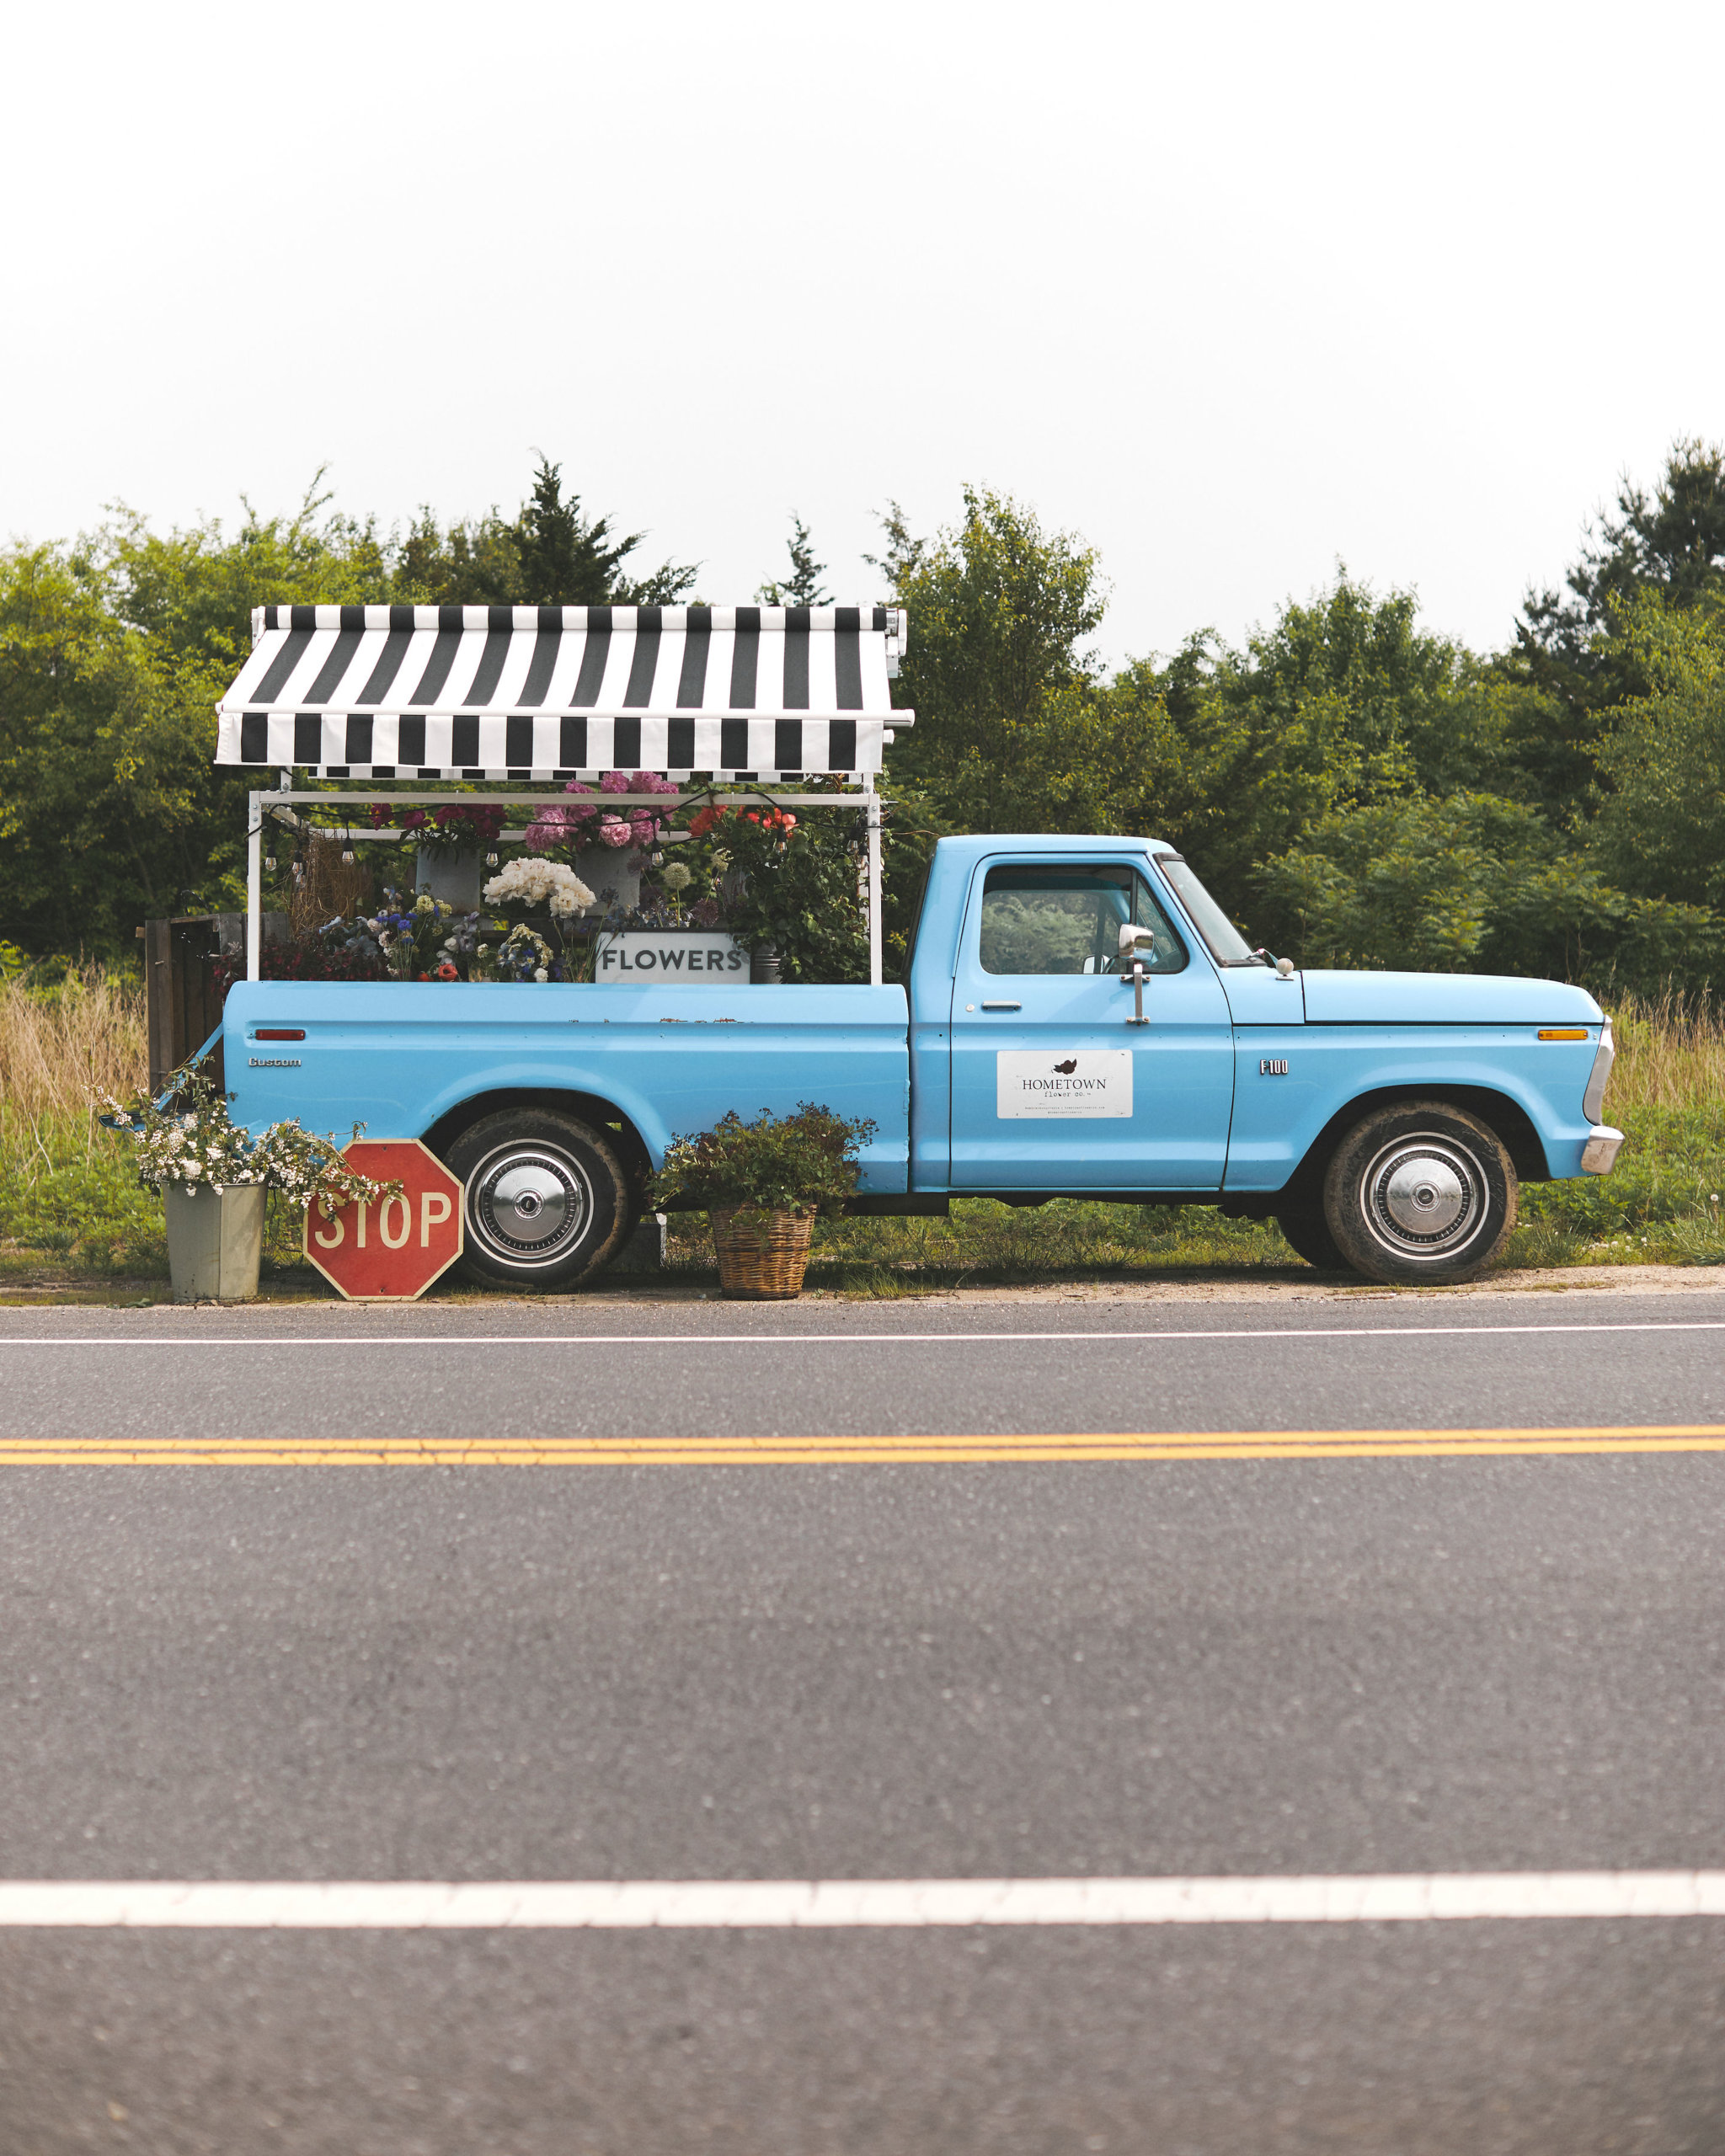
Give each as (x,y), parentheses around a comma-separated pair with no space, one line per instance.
(286,796)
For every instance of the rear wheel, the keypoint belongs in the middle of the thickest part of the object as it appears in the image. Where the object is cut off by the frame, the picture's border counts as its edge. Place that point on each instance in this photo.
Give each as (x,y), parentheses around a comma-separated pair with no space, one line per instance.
(546,1201)
(1309,1233)
(1423,1191)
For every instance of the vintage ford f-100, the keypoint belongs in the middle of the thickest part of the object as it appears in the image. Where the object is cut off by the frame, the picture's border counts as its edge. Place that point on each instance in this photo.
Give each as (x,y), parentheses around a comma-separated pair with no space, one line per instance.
(1079,1018)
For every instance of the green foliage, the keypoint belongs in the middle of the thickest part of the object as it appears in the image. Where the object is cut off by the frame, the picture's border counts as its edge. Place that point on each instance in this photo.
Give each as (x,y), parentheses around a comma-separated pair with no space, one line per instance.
(73,1199)
(551,554)
(1474,883)
(113,652)
(802,587)
(807,1162)
(791,881)
(114,648)
(999,609)
(1670,541)
(1358,786)
(1662,826)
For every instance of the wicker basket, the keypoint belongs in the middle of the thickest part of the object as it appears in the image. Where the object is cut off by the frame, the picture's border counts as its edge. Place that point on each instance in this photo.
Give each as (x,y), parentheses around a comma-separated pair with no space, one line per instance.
(762,1256)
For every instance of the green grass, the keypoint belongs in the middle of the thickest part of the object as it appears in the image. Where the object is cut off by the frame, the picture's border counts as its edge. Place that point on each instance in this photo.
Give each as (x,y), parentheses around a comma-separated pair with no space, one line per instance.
(985,1244)
(72,1209)
(1660,1205)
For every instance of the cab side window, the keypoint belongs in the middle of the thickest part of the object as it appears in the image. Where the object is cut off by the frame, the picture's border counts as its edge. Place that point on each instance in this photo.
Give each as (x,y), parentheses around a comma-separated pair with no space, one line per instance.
(1065,918)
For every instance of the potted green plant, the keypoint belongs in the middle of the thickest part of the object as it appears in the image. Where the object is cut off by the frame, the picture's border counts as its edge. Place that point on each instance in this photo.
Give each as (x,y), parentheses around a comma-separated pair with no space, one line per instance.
(214,1178)
(762,1186)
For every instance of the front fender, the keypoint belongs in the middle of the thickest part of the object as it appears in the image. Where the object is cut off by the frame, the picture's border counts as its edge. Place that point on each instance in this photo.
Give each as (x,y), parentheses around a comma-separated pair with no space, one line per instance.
(1292,1083)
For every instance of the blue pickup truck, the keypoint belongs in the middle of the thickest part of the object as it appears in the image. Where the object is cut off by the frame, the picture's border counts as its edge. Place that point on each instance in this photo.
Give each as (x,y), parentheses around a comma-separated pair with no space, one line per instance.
(1079,1018)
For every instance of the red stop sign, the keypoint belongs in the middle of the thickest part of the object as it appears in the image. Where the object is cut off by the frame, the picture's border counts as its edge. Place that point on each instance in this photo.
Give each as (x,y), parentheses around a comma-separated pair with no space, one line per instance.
(390,1252)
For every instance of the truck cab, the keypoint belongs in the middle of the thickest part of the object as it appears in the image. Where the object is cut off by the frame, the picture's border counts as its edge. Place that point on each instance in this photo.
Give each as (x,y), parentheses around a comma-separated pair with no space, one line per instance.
(1385,1119)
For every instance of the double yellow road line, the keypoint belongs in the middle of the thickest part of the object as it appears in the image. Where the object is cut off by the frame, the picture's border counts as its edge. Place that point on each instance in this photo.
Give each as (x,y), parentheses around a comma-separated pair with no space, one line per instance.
(857,1451)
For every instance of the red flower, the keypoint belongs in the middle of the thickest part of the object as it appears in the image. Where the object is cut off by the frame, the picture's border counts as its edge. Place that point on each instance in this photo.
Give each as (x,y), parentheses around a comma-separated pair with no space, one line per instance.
(447,971)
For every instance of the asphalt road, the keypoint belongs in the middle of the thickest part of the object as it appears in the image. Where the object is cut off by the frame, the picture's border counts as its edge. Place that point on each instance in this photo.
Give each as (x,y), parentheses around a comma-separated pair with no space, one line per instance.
(1033,1668)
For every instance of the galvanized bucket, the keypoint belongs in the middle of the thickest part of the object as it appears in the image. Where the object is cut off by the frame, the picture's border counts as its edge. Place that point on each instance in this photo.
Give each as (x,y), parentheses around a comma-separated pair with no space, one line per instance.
(215,1240)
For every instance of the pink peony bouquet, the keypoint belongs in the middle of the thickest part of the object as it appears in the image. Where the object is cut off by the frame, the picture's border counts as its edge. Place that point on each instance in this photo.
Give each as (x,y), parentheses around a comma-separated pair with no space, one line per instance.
(637,825)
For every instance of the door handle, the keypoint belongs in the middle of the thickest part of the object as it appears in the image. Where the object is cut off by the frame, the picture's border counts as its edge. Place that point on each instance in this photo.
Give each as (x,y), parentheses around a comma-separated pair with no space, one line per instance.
(1003,1006)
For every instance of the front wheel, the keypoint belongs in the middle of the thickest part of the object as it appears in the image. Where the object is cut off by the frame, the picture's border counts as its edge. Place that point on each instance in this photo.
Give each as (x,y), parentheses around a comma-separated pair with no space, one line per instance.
(1421,1193)
(546,1201)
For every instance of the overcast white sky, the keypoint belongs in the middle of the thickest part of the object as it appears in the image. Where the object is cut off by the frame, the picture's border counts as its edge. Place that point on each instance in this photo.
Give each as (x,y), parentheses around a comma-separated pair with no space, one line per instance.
(1230,289)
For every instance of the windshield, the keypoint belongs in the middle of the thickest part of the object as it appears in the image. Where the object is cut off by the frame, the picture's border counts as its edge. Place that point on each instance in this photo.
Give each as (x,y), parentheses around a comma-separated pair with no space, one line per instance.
(1228,946)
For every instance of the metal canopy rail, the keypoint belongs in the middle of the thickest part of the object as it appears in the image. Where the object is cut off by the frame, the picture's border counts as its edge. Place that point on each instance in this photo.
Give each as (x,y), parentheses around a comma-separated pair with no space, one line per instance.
(559,692)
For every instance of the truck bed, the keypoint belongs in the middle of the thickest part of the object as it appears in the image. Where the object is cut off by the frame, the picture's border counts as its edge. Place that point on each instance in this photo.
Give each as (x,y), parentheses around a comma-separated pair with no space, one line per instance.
(404,1057)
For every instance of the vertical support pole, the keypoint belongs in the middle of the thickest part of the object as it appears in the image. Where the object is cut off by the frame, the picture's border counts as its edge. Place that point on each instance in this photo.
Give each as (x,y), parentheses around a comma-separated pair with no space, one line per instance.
(875,973)
(254,886)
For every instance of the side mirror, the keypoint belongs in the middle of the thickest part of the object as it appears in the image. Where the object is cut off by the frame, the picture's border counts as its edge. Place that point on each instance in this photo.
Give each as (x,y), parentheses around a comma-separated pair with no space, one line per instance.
(1133,942)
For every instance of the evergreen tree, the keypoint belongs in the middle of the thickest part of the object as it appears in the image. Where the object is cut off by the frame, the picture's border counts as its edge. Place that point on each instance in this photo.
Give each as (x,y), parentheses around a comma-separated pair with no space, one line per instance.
(904,552)
(549,555)
(801,588)
(565,561)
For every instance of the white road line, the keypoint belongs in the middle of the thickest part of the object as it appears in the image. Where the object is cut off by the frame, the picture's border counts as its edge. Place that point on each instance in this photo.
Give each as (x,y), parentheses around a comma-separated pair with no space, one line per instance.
(799,1904)
(836,1339)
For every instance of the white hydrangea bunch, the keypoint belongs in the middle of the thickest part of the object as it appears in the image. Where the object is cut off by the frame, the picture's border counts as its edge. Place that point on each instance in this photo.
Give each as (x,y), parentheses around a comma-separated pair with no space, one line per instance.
(533,881)
(185,1136)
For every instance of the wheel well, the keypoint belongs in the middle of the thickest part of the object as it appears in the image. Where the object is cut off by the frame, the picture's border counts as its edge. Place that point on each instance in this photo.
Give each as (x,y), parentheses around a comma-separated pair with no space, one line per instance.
(631,1148)
(1511,1122)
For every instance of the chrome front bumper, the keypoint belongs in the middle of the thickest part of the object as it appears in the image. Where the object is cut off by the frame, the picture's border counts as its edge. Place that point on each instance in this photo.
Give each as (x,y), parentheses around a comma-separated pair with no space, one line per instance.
(1599,1156)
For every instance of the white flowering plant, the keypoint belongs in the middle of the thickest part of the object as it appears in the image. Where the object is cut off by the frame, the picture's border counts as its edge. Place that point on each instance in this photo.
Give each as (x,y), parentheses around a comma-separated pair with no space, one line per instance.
(185,1135)
(533,881)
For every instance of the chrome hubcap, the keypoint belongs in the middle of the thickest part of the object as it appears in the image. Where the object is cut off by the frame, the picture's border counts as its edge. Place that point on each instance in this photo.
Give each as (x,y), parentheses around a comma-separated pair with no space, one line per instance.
(1424,1197)
(529,1203)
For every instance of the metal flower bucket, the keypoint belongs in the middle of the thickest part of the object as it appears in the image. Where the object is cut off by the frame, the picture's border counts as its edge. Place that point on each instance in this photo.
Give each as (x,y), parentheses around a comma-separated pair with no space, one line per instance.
(215,1240)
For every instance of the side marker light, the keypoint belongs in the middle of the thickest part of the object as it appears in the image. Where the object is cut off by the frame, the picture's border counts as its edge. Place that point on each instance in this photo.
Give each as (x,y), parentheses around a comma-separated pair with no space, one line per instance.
(1546,1033)
(280,1033)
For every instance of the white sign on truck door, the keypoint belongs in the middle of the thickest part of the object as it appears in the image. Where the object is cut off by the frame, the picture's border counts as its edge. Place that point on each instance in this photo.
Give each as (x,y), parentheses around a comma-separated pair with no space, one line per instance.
(1080,1082)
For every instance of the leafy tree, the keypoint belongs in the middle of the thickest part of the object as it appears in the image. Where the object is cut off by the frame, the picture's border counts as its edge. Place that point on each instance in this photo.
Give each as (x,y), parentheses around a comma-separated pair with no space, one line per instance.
(115,649)
(802,587)
(565,561)
(1670,541)
(1234,755)
(998,608)
(1475,882)
(113,652)
(1661,828)
(470,563)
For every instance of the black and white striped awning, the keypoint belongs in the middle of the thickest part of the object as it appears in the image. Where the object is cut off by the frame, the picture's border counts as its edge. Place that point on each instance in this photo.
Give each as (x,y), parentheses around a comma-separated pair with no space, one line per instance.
(553,692)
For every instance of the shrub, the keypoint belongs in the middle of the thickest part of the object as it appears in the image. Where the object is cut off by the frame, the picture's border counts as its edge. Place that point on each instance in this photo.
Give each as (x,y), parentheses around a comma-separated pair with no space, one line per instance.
(802,1163)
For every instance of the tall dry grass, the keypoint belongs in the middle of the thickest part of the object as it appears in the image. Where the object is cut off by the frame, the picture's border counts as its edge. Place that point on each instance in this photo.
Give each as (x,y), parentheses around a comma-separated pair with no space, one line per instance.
(1670,1055)
(59,1046)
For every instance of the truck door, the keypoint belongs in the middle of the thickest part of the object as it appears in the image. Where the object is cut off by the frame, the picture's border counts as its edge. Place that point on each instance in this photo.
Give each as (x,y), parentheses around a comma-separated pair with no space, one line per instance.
(1052,1089)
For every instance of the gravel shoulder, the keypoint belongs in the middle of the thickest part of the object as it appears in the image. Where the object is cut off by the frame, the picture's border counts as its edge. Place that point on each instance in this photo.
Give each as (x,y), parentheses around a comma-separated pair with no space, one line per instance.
(1296,1284)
